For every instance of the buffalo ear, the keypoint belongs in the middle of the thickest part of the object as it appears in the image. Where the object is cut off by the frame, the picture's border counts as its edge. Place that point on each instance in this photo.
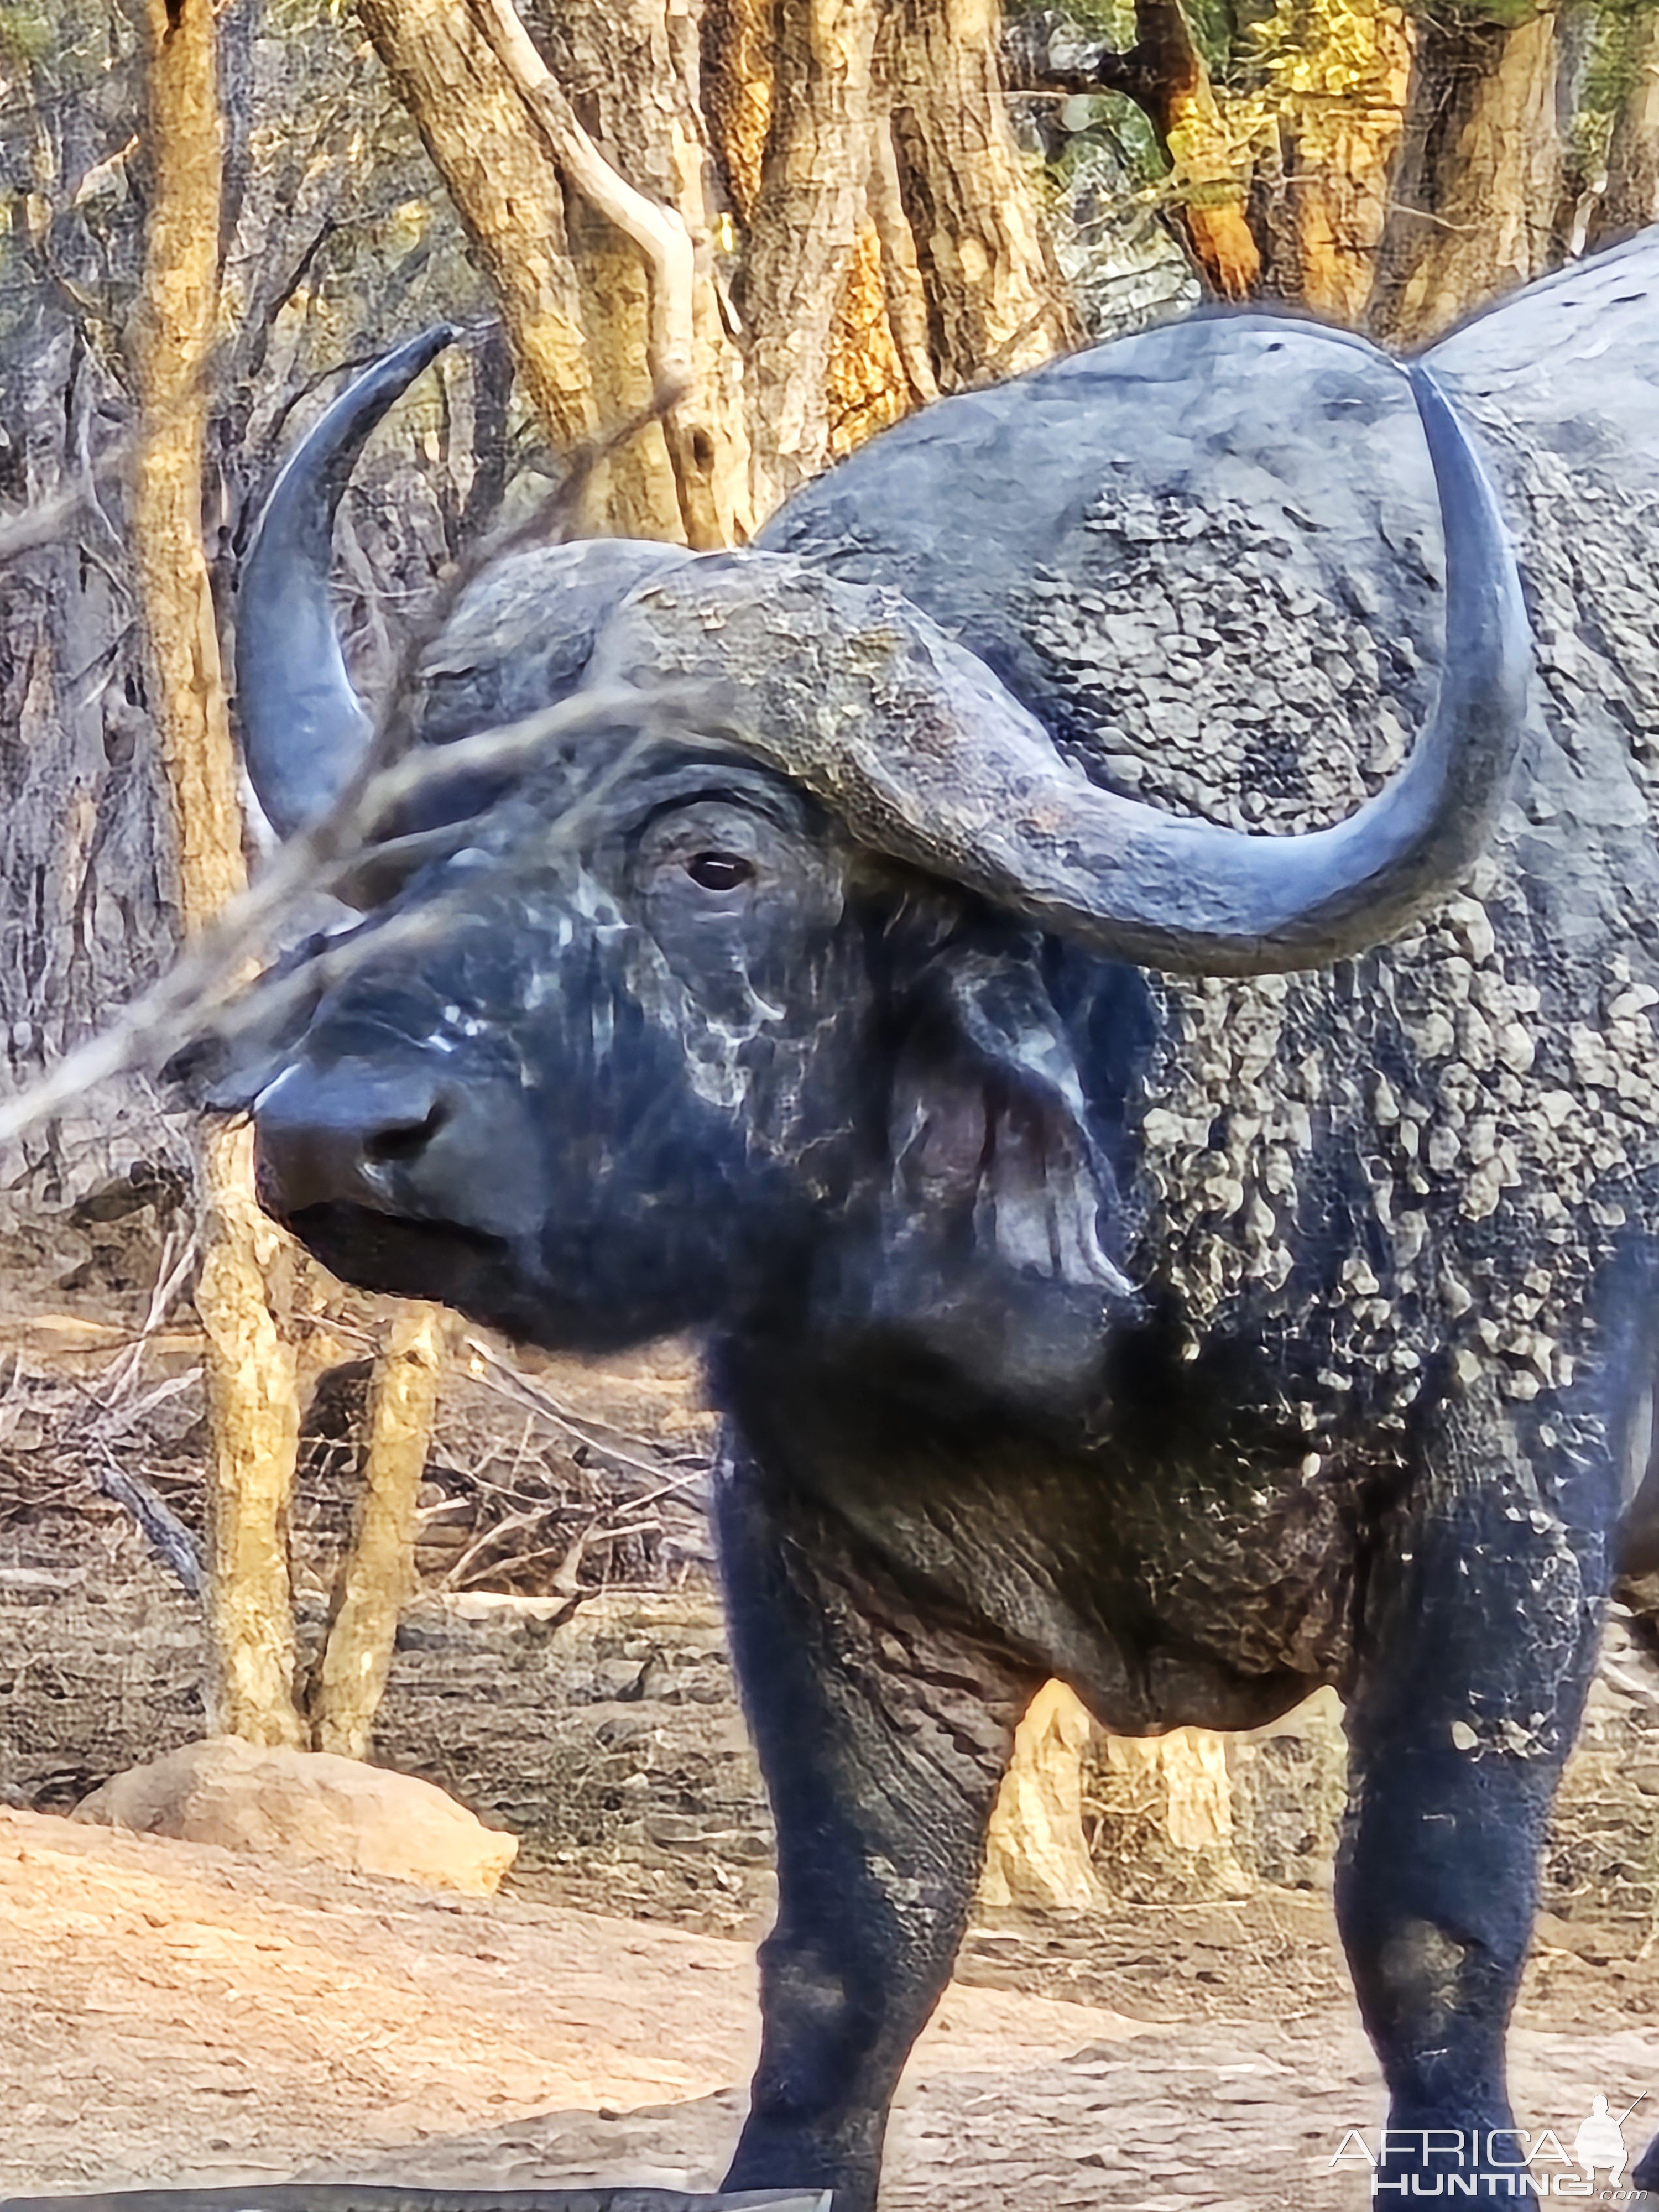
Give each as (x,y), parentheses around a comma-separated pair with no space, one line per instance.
(992,1253)
(989,1129)
(1001,1208)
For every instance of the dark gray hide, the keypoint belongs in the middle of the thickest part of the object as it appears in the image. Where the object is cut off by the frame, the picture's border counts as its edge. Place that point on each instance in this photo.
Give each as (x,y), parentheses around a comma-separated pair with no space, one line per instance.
(1198,1338)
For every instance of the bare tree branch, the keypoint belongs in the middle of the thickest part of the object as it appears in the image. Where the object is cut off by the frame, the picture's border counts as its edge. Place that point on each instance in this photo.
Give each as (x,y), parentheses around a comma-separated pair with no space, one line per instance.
(329,855)
(44,524)
(165,1531)
(345,848)
(664,244)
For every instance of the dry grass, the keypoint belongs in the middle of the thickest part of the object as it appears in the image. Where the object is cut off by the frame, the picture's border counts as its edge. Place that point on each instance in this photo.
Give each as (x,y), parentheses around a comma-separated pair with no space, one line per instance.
(537,1483)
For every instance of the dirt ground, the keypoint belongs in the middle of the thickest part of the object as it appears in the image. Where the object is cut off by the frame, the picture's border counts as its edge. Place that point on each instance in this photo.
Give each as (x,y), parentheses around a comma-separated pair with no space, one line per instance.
(175,2014)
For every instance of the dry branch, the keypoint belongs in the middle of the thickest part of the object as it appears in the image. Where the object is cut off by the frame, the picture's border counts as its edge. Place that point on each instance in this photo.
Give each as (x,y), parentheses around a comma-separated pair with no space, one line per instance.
(160,1524)
(530,1394)
(183,1006)
(664,245)
(122,1406)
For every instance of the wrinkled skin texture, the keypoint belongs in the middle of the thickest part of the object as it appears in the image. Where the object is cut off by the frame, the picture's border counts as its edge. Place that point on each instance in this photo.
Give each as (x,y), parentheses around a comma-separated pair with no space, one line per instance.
(1199,1342)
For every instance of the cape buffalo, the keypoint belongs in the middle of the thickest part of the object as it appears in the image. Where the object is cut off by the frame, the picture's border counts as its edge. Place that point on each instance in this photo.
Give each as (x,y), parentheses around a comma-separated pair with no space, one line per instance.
(1121,1008)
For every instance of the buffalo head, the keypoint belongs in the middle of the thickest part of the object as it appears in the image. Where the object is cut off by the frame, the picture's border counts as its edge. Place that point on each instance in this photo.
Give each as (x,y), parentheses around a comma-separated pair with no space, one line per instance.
(793,1008)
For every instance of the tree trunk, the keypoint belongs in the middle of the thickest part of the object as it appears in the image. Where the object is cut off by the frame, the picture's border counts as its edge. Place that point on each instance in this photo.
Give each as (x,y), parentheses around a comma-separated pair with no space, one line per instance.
(1339,131)
(250,1378)
(1166,1829)
(1036,1853)
(739,38)
(866,384)
(1209,172)
(1475,194)
(506,189)
(377,1571)
(1631,201)
(902,284)
(602,56)
(254,1426)
(805,223)
(996,301)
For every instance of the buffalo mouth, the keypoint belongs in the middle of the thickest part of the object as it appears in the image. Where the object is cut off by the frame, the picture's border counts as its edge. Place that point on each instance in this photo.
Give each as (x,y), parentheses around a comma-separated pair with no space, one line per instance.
(442,1260)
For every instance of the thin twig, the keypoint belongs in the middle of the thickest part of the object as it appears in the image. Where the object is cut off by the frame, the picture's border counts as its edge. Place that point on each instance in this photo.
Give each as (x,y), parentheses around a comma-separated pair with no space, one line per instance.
(178,1007)
(178,1254)
(167,1534)
(325,855)
(515,1385)
(165,1530)
(123,1418)
(487,1540)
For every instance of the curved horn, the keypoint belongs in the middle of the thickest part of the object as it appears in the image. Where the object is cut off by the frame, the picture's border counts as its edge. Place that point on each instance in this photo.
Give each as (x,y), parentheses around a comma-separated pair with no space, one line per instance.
(303,728)
(926,758)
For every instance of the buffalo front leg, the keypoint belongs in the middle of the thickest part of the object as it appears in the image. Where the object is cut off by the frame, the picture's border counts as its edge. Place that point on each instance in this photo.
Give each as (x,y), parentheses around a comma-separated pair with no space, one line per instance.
(882,1729)
(1478,1637)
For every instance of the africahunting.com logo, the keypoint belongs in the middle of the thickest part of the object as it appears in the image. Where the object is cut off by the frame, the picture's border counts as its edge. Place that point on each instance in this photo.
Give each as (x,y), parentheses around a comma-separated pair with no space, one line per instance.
(1497,2162)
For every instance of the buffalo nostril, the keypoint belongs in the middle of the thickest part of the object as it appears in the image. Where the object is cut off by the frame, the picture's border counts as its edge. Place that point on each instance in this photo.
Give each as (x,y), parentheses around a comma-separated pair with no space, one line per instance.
(405,1140)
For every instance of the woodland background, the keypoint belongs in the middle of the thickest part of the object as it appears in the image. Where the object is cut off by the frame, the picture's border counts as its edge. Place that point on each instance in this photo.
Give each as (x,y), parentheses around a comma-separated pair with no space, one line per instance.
(211,214)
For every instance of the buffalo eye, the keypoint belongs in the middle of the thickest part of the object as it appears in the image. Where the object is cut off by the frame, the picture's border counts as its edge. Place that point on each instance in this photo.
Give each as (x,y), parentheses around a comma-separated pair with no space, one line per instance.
(720,871)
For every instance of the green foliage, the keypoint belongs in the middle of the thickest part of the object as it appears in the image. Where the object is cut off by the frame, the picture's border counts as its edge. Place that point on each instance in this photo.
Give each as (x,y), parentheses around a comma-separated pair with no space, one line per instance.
(1307,61)
(1615,54)
(27,35)
(1114,21)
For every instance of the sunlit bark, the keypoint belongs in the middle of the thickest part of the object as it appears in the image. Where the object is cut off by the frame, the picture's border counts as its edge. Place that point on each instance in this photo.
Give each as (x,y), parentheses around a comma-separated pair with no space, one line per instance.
(994,296)
(1631,201)
(377,1572)
(1036,1853)
(506,189)
(249,1368)
(1474,196)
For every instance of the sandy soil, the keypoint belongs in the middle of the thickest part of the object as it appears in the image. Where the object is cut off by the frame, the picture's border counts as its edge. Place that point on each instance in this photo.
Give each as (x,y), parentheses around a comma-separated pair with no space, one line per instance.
(174,2013)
